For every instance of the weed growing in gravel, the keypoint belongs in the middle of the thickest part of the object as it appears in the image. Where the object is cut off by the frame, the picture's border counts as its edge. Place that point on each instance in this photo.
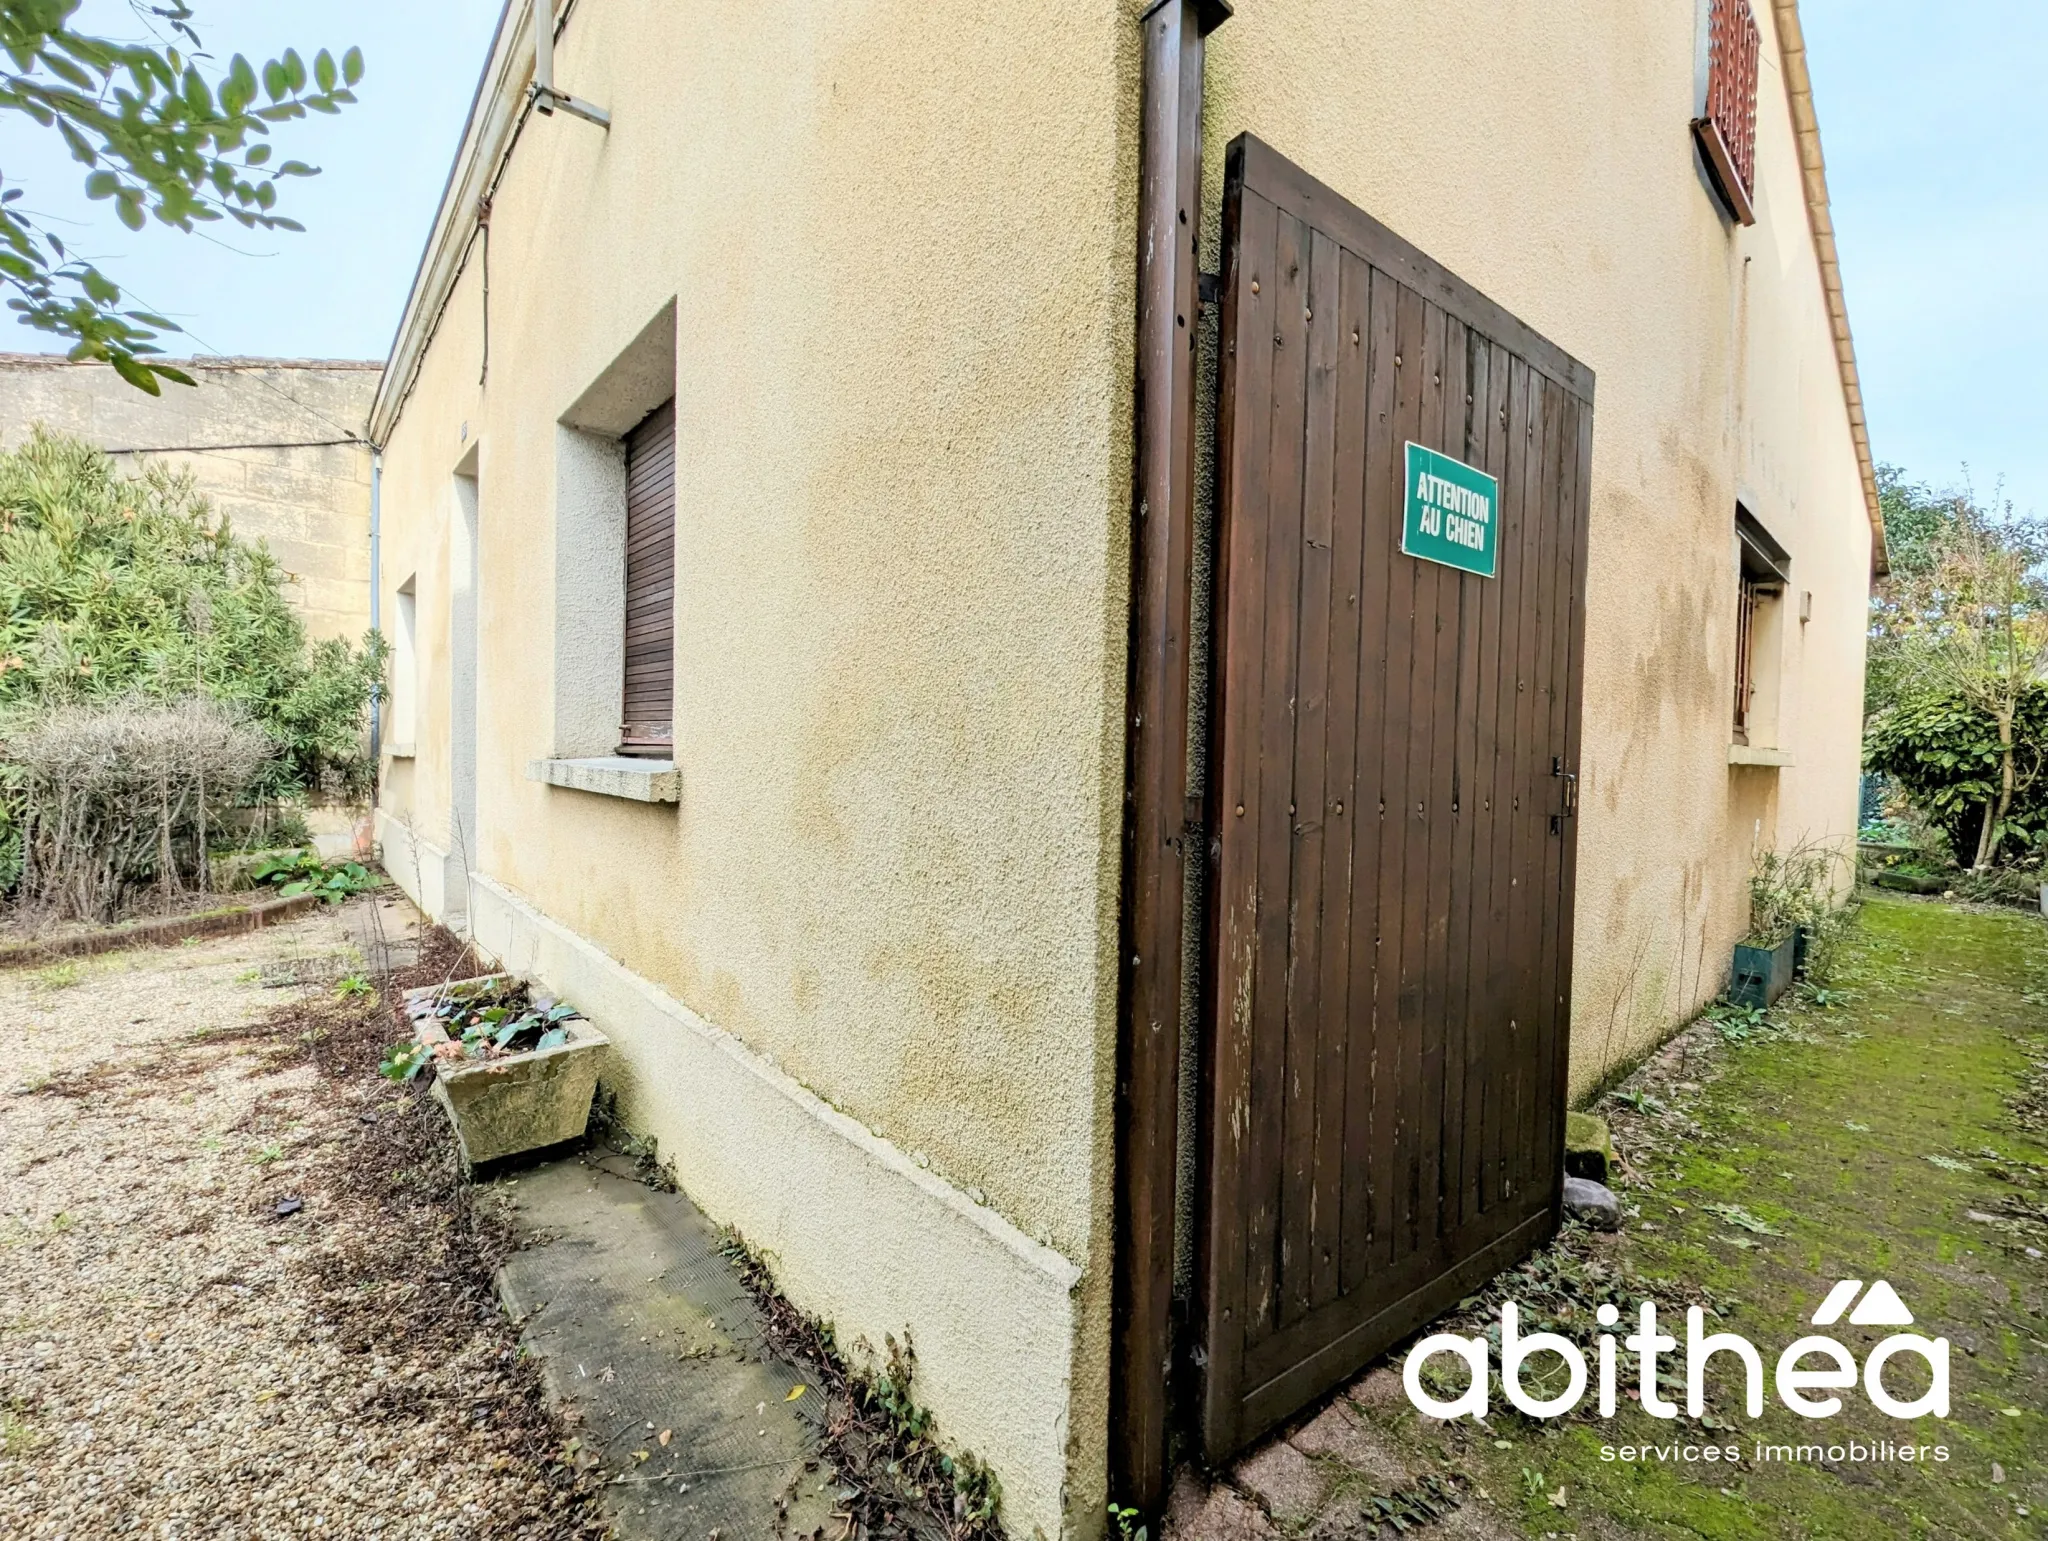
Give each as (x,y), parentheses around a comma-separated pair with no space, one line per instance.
(18,1436)
(303,872)
(1127,1526)
(58,976)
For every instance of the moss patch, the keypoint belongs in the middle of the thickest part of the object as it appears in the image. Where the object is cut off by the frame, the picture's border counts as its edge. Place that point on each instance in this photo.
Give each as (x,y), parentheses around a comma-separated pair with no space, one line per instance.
(1890,1128)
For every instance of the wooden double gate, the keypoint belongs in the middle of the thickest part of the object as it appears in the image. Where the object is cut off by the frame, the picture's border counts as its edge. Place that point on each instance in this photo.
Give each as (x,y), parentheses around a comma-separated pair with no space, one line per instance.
(1391,802)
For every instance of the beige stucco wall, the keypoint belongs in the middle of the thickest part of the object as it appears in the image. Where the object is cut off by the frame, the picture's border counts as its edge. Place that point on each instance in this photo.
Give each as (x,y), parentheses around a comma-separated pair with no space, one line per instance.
(1554,169)
(309,502)
(899,247)
(899,255)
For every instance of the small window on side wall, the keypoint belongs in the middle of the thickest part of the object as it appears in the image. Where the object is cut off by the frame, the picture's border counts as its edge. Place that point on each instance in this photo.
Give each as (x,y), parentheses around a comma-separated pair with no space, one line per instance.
(1766,569)
(1726,131)
(650,655)
(405,666)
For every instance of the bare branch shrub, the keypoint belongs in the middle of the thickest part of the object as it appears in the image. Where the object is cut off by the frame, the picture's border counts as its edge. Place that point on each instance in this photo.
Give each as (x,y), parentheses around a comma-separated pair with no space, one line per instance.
(117,794)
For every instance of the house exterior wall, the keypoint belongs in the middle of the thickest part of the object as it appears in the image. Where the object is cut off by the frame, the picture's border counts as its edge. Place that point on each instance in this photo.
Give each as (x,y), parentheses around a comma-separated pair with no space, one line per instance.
(860,977)
(1543,154)
(309,502)
(898,257)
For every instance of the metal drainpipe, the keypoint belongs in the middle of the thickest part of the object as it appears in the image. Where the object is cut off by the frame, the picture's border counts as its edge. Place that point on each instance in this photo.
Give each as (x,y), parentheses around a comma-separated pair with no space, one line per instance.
(376,610)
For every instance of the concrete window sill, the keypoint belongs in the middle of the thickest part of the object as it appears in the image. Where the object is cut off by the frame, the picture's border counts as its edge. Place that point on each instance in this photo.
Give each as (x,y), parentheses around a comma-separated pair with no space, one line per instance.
(1749,754)
(639,781)
(400,751)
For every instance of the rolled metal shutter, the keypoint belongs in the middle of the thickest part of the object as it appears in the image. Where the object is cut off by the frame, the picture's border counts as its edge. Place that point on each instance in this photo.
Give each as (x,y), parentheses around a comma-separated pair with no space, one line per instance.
(649,712)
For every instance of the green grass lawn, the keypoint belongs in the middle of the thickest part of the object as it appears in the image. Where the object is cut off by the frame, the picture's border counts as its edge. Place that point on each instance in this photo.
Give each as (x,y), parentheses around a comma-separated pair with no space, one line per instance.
(1892,1130)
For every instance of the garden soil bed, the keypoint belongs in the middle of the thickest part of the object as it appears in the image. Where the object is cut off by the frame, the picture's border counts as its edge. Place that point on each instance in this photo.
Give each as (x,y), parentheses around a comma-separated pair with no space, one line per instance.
(193,915)
(243,1289)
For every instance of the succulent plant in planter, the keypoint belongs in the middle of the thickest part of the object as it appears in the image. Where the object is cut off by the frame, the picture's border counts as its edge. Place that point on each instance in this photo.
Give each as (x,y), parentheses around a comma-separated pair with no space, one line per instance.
(515,1068)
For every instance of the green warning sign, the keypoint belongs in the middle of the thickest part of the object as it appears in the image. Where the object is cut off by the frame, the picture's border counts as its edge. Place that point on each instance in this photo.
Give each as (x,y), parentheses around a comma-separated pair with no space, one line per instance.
(1451,513)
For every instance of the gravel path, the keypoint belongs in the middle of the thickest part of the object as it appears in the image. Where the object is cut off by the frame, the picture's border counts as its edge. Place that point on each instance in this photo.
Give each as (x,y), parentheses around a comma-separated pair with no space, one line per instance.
(180,1359)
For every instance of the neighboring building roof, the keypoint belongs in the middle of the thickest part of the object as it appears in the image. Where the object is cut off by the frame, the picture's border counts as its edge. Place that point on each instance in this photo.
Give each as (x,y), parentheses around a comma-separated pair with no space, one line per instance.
(245,403)
(498,111)
(1806,131)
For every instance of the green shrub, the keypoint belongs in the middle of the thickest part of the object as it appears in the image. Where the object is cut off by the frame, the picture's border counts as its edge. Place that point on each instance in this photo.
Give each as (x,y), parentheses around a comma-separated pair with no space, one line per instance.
(105,796)
(1944,755)
(113,586)
(1801,887)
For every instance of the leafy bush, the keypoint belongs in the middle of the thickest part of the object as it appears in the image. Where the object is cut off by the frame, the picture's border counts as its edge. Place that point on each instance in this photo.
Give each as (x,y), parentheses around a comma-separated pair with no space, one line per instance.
(107,795)
(1791,888)
(1801,887)
(303,872)
(120,587)
(1945,755)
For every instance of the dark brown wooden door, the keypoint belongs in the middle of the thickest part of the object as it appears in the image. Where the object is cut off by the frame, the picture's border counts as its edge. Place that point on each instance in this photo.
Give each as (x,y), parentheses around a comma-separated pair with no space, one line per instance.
(1390,920)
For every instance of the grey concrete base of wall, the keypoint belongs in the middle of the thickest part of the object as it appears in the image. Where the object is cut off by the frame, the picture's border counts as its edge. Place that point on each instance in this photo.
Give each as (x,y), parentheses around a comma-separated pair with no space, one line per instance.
(857,1233)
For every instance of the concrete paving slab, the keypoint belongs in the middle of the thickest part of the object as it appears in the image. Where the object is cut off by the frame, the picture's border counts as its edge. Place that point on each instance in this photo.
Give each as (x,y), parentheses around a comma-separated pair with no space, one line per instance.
(386,930)
(641,1326)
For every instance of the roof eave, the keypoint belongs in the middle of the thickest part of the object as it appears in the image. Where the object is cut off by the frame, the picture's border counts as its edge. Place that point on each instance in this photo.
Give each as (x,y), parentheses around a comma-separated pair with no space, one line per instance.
(494,112)
(1813,171)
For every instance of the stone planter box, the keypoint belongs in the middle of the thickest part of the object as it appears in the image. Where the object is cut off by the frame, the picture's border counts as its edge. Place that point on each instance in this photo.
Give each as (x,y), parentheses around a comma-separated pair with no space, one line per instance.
(1761,974)
(519,1102)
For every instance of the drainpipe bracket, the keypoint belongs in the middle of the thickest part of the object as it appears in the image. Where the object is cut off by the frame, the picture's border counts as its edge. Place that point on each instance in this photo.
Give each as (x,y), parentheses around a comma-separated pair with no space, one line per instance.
(546,99)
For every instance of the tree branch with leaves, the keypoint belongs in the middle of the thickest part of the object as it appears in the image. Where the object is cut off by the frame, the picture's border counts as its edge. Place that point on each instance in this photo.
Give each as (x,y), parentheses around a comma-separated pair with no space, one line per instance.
(163,133)
(1966,624)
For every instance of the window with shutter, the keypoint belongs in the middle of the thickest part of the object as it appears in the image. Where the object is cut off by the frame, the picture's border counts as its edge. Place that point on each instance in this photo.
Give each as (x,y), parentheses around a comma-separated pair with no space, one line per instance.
(1766,570)
(649,712)
(1727,133)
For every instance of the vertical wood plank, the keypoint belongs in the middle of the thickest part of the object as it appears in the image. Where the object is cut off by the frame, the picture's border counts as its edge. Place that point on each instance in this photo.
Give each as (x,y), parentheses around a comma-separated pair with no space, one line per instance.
(1547,791)
(1266,1166)
(1311,716)
(1420,334)
(1236,764)
(1574,683)
(1484,1003)
(1307,1153)
(1334,1135)
(1531,788)
(1506,790)
(1366,1119)
(1548,1141)
(1445,425)
(1464,406)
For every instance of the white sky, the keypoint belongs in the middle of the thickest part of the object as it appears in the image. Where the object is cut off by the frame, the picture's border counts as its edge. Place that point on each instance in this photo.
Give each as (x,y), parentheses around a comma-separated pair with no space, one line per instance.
(1934,120)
